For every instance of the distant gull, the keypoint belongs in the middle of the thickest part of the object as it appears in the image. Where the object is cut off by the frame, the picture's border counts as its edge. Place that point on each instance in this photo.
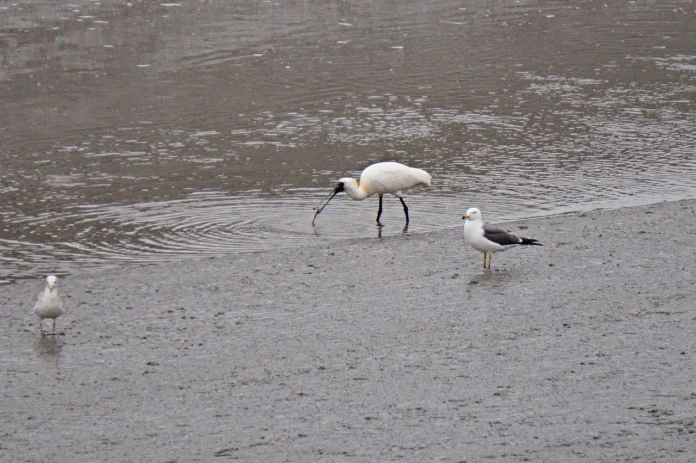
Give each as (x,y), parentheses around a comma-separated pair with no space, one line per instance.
(49,304)
(379,178)
(488,238)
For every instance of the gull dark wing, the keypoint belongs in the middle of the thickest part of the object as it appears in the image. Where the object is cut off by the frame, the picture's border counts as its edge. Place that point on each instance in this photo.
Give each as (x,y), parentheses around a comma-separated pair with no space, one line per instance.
(500,236)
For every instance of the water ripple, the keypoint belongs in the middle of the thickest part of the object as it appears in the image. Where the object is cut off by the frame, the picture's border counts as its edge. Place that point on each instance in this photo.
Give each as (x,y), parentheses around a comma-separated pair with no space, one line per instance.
(139,132)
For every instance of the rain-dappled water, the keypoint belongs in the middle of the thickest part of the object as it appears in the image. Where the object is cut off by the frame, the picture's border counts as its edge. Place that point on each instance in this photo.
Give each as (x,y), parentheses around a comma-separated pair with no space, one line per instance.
(146,131)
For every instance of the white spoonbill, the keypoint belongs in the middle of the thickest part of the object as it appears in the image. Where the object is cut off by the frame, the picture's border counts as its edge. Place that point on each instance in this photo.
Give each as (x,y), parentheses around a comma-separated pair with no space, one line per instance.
(379,178)
(49,304)
(488,238)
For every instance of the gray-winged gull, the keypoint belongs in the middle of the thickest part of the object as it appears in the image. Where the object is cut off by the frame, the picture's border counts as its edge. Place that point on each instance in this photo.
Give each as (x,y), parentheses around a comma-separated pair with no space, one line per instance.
(488,238)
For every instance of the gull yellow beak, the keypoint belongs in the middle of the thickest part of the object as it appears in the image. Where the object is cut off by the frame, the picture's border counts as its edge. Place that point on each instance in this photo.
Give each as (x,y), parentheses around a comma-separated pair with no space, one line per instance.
(465,216)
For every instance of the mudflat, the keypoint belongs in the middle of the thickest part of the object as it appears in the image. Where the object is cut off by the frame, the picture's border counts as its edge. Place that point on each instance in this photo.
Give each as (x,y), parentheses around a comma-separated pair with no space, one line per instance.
(399,348)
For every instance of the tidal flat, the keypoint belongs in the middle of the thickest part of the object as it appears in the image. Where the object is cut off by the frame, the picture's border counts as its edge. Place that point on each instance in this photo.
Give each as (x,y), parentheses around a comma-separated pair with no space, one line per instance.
(379,349)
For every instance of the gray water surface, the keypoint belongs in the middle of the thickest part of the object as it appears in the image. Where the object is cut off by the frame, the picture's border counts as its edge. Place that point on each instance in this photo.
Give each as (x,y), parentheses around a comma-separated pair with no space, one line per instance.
(148,132)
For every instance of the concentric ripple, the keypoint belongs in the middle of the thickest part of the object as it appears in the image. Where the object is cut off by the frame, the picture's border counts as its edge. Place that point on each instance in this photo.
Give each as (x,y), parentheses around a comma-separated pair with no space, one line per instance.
(203,224)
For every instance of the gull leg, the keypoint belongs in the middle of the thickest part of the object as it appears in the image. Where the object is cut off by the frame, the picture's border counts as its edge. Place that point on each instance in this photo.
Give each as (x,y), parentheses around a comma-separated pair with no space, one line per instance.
(490,258)
(379,211)
(405,209)
(484,260)
(41,327)
(54,326)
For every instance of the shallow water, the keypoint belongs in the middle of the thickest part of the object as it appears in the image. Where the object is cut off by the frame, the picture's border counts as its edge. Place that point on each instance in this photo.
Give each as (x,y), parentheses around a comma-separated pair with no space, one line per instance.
(154,132)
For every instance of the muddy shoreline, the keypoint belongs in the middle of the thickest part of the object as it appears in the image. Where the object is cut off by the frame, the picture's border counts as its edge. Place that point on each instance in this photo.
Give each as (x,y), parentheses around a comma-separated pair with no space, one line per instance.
(372,350)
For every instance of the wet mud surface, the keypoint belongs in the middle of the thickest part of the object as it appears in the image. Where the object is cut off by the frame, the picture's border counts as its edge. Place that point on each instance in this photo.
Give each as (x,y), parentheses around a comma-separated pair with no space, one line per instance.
(393,349)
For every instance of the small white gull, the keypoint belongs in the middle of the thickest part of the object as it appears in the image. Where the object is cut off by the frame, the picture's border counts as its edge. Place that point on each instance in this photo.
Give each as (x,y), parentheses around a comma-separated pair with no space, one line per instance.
(49,304)
(488,238)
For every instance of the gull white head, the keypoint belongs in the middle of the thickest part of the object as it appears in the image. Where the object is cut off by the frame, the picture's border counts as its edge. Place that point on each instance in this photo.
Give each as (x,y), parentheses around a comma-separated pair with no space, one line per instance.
(472,214)
(51,281)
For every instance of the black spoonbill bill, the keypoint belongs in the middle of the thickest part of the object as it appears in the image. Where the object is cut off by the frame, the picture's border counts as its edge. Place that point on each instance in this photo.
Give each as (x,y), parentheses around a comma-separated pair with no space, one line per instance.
(49,304)
(378,179)
(488,238)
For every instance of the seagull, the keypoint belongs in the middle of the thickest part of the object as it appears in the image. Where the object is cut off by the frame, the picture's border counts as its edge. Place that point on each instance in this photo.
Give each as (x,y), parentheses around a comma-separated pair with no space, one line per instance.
(49,304)
(488,238)
(379,178)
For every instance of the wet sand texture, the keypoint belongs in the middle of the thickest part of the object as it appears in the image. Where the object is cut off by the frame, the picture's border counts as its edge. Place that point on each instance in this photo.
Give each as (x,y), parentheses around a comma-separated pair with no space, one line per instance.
(372,350)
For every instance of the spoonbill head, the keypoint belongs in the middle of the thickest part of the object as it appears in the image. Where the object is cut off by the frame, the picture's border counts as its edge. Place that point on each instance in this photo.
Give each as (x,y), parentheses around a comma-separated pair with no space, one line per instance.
(379,179)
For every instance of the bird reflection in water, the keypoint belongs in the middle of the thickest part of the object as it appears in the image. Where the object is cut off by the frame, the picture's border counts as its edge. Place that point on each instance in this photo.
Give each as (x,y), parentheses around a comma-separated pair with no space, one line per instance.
(404,231)
(49,349)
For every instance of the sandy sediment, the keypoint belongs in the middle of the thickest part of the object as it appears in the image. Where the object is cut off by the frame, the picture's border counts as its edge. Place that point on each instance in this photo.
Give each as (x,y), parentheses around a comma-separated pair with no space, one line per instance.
(372,350)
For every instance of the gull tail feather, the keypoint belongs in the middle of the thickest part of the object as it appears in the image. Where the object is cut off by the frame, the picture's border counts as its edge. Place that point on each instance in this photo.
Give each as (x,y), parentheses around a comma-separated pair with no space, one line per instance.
(530,242)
